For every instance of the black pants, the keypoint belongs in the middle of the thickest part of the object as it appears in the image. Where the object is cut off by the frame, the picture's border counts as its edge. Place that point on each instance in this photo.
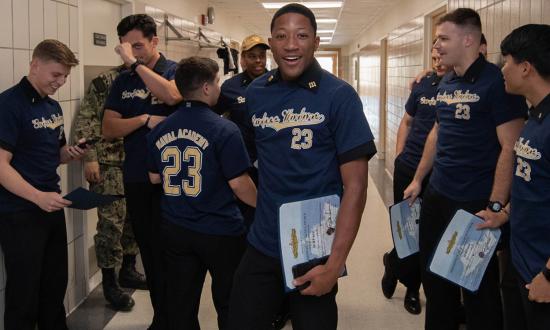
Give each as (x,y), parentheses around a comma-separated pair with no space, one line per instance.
(258,291)
(536,315)
(143,205)
(483,308)
(407,269)
(512,306)
(188,255)
(35,256)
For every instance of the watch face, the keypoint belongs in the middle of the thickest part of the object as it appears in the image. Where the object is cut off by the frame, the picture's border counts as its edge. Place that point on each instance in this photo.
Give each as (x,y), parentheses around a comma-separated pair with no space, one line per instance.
(495,206)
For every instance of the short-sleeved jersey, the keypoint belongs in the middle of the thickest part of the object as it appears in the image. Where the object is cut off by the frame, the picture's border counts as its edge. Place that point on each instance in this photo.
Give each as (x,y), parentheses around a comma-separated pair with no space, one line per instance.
(130,97)
(197,153)
(530,204)
(304,129)
(469,109)
(32,129)
(421,106)
(232,101)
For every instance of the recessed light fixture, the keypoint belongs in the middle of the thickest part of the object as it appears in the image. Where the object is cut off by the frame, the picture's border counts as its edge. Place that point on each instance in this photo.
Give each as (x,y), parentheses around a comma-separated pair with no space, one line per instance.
(325,38)
(309,4)
(326,20)
(325,31)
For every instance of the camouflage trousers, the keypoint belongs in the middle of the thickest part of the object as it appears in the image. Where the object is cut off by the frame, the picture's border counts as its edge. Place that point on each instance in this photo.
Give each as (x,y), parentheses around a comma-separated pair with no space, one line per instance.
(114,237)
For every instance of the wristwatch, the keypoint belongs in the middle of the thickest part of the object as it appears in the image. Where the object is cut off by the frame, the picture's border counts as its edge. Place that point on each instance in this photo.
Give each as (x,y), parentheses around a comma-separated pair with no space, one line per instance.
(495,206)
(546,272)
(134,65)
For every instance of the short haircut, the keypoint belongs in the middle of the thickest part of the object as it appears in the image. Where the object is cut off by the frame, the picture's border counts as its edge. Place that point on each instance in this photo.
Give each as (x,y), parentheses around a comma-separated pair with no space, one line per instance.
(297,9)
(141,22)
(193,72)
(483,40)
(529,43)
(463,17)
(55,50)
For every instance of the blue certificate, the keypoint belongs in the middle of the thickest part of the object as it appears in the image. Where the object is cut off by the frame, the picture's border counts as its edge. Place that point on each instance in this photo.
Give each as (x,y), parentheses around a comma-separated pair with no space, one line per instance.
(464,252)
(404,227)
(306,232)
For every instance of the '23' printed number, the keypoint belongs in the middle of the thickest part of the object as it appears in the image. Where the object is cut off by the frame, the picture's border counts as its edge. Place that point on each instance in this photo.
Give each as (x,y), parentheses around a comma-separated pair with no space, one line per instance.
(191,155)
(301,138)
(462,111)
(523,170)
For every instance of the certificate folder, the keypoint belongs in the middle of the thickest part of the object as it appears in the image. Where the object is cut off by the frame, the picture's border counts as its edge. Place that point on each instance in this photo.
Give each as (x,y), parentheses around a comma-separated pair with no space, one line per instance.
(306,232)
(404,220)
(84,199)
(464,252)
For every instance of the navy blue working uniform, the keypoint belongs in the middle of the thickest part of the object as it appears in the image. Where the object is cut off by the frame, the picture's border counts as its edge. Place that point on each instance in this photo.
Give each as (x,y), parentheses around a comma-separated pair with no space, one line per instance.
(469,109)
(197,153)
(304,129)
(34,242)
(130,97)
(421,106)
(530,208)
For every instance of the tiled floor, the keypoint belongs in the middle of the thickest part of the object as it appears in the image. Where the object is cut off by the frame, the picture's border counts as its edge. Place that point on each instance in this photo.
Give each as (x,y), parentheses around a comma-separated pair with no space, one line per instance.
(360,300)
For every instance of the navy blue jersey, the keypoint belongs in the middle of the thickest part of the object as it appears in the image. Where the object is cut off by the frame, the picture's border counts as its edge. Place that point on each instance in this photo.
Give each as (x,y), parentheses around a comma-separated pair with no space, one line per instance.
(130,97)
(304,130)
(421,106)
(197,152)
(232,101)
(530,204)
(31,128)
(469,109)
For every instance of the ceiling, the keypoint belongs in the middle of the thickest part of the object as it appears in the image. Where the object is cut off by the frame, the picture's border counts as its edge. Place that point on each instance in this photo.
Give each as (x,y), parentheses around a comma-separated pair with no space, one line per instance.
(354,17)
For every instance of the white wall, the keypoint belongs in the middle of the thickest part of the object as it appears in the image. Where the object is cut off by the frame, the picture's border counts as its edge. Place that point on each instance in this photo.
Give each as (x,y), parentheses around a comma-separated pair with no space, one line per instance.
(100,16)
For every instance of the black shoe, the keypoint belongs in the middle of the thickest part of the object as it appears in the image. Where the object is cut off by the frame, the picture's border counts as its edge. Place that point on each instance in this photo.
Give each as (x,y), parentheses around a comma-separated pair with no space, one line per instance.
(280,320)
(412,302)
(129,277)
(389,281)
(119,300)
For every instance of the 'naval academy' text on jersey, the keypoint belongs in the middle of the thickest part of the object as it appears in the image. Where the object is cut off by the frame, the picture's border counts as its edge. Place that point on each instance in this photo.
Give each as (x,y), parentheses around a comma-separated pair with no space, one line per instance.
(530,204)
(304,131)
(31,128)
(469,109)
(197,153)
(130,97)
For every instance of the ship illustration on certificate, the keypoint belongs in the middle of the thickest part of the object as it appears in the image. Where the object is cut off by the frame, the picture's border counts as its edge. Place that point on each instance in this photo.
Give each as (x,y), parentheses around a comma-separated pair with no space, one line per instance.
(306,231)
(404,221)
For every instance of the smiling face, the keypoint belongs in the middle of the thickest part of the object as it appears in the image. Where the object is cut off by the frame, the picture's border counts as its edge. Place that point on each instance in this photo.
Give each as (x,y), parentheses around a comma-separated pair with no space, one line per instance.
(440,69)
(513,75)
(450,43)
(143,49)
(293,43)
(48,76)
(254,61)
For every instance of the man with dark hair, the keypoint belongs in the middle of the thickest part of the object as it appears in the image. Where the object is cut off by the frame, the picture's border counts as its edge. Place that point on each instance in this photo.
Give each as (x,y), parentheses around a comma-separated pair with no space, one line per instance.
(33,235)
(202,163)
(413,130)
(527,72)
(312,140)
(139,99)
(471,151)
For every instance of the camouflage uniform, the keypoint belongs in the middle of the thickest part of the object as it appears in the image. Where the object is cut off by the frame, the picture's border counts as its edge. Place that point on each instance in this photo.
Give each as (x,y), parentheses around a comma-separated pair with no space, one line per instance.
(114,237)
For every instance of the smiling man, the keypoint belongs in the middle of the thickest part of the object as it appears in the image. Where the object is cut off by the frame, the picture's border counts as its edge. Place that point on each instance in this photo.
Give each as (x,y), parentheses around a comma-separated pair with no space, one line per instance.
(32,222)
(312,139)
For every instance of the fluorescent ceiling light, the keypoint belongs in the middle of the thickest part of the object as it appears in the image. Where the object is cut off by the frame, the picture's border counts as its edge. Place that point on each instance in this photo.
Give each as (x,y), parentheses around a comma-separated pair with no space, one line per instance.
(325,38)
(326,20)
(309,4)
(324,43)
(325,31)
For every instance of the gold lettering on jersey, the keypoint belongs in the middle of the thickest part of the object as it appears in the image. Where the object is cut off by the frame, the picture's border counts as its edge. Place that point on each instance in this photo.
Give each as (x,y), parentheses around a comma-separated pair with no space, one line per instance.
(241,99)
(289,119)
(139,93)
(426,101)
(185,134)
(523,149)
(53,123)
(458,96)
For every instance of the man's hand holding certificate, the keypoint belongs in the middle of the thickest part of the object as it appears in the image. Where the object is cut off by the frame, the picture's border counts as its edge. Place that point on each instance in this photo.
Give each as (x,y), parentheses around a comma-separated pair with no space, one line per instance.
(464,251)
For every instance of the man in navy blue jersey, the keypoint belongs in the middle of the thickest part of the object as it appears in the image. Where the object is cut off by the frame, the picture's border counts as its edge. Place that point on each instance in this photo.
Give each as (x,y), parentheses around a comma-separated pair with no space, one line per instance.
(527,72)
(33,236)
(312,139)
(471,151)
(415,125)
(139,99)
(202,163)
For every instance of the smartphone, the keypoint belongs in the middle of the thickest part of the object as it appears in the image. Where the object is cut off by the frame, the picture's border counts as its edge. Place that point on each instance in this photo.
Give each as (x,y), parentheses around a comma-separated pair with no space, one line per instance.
(88,142)
(300,269)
